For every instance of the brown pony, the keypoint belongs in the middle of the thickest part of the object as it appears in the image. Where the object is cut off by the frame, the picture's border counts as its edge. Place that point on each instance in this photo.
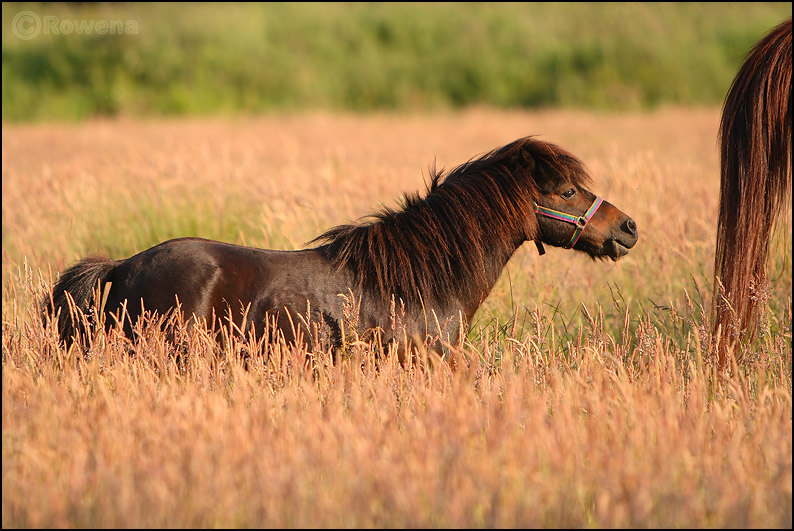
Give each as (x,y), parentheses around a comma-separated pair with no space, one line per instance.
(755,160)
(415,274)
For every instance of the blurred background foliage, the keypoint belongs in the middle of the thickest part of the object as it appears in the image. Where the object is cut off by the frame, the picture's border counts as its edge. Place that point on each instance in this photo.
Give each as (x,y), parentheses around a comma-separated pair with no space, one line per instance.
(188,59)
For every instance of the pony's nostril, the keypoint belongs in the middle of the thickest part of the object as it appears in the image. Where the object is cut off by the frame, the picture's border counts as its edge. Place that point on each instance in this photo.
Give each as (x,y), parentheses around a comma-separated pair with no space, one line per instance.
(630,226)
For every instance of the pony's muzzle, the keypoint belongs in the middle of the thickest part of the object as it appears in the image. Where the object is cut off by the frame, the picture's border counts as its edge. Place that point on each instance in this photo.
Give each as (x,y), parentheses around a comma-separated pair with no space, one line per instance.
(619,246)
(630,228)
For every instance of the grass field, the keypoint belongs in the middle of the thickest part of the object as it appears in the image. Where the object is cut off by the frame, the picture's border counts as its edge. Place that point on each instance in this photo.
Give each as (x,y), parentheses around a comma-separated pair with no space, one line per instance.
(587,398)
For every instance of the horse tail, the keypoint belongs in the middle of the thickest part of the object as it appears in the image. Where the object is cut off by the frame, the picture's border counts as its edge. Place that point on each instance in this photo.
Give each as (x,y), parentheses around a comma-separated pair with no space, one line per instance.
(755,171)
(78,284)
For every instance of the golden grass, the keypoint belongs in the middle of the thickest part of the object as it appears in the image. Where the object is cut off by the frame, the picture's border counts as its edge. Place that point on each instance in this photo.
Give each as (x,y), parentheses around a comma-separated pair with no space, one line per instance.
(587,398)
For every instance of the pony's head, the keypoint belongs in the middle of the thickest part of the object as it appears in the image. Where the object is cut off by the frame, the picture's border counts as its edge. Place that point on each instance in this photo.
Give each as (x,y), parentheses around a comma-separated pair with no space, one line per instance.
(566,213)
(572,217)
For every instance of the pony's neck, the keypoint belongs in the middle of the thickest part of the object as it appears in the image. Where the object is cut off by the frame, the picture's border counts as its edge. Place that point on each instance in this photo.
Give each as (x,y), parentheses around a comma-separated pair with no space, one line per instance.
(445,250)
(485,237)
(472,299)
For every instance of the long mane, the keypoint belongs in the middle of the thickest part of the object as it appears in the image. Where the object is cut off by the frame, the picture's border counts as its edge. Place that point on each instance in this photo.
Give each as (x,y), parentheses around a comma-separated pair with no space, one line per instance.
(444,244)
(755,158)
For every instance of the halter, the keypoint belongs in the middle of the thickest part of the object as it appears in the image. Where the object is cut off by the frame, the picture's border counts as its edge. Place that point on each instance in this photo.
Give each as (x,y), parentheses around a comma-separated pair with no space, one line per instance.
(579,221)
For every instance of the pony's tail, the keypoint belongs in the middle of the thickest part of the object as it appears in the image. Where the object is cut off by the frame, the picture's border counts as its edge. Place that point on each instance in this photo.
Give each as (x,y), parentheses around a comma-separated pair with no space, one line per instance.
(755,158)
(78,284)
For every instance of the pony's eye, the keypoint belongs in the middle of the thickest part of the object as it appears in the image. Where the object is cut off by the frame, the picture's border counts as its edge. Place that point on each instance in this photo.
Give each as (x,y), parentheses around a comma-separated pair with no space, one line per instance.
(567,194)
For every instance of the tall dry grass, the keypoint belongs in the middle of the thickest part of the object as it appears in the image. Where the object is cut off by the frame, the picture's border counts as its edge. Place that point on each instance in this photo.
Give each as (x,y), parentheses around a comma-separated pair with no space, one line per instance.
(587,397)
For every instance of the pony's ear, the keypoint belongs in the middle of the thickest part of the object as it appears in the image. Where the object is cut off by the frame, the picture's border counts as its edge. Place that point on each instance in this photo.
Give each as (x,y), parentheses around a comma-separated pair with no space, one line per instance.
(523,159)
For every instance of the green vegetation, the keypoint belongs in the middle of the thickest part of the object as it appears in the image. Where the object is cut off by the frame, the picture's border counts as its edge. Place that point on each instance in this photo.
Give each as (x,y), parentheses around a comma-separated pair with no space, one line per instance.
(171,59)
